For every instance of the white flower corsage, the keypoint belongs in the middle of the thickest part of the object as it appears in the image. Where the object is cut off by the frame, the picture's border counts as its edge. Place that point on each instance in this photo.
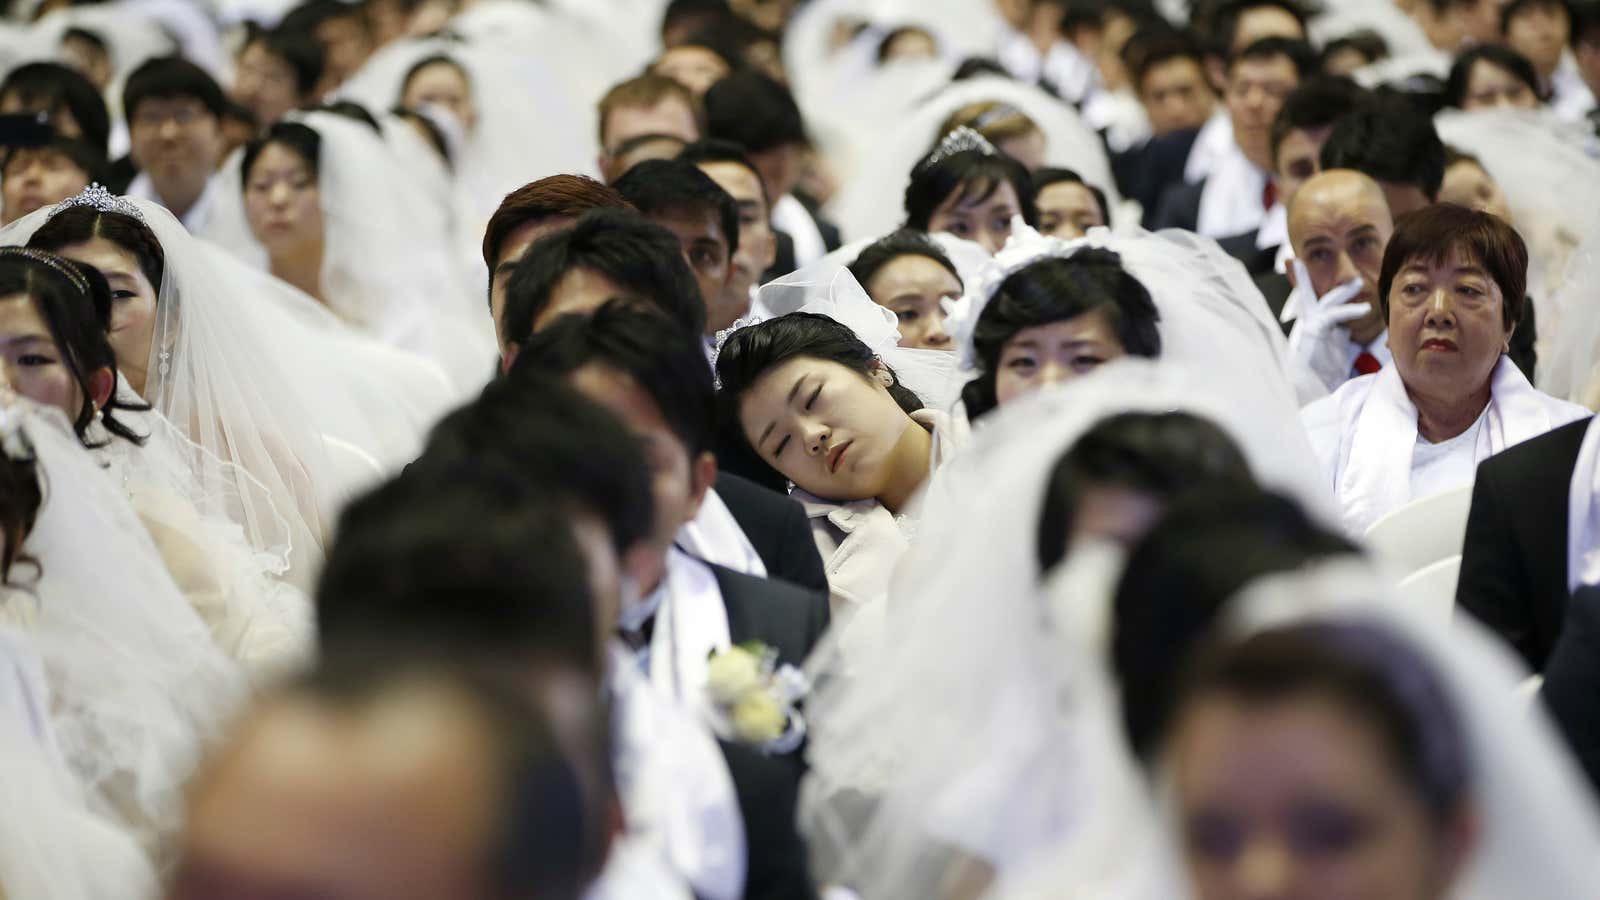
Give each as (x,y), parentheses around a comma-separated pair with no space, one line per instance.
(753,698)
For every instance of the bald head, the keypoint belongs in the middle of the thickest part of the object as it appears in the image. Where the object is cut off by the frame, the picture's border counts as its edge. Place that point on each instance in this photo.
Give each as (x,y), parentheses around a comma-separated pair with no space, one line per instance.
(1339,224)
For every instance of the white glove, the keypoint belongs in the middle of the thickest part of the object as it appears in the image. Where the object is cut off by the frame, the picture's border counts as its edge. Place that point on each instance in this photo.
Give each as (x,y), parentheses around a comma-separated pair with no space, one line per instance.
(1319,358)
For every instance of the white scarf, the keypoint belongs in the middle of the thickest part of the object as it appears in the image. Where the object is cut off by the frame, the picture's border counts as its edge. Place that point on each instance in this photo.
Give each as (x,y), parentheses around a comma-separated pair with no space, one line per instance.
(691,624)
(1373,473)
(1583,513)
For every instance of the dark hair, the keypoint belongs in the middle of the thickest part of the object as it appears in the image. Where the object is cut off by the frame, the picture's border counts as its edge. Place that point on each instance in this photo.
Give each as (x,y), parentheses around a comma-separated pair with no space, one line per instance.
(1432,233)
(431,132)
(1517,7)
(754,111)
(312,14)
(1365,668)
(1585,24)
(93,38)
(1299,54)
(238,112)
(303,53)
(1319,102)
(713,150)
(1387,140)
(1212,542)
(296,136)
(90,161)
(437,59)
(663,359)
(20,498)
(970,176)
(558,196)
(79,224)
(1501,57)
(1227,18)
(895,34)
(1162,454)
(1151,47)
(551,828)
(467,553)
(673,187)
(720,40)
(1367,42)
(641,258)
(891,247)
(351,110)
(75,304)
(705,11)
(1050,175)
(169,77)
(567,448)
(1054,290)
(976,67)
(51,87)
(751,352)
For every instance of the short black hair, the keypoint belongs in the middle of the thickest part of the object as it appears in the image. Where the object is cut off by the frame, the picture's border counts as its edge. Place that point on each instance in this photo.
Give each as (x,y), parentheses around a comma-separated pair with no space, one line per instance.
(297,136)
(167,77)
(1228,17)
(703,12)
(1054,175)
(1299,54)
(973,174)
(754,111)
(570,451)
(309,16)
(463,553)
(638,256)
(1365,41)
(1056,289)
(1388,141)
(713,150)
(1318,102)
(303,53)
(1517,7)
(1501,57)
(887,249)
(667,187)
(1150,47)
(1211,543)
(1585,24)
(721,39)
(52,87)
(88,159)
(665,361)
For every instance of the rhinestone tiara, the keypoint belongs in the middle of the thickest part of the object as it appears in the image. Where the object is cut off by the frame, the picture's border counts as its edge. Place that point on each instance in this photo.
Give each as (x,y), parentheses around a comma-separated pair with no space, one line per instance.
(961,140)
(95,196)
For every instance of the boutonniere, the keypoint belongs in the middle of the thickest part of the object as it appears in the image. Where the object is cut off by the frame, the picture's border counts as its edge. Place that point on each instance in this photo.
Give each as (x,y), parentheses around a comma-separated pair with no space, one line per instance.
(753,697)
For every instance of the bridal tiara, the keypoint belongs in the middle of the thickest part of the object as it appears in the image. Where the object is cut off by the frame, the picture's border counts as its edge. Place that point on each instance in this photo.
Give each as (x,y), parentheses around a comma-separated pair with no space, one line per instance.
(80,283)
(961,140)
(96,197)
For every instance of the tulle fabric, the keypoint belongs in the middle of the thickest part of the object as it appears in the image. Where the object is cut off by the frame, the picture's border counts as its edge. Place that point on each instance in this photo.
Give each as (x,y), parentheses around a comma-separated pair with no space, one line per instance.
(256,376)
(52,847)
(388,267)
(137,685)
(1550,176)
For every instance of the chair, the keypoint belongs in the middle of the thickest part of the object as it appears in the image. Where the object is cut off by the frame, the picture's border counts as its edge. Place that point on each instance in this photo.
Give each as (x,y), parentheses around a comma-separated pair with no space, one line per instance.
(1422,532)
(1433,588)
(354,471)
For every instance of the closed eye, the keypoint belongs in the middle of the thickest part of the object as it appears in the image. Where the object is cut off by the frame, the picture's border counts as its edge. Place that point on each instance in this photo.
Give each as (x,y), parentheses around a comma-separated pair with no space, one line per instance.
(814,395)
(781,444)
(34,359)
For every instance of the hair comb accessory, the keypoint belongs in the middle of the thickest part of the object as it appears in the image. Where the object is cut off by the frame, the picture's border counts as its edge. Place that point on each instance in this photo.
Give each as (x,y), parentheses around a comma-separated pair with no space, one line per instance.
(49,260)
(95,196)
(961,140)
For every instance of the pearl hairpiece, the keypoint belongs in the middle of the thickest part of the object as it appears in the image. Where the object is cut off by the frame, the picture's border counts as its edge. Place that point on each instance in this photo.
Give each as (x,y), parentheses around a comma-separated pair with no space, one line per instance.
(51,261)
(961,140)
(95,196)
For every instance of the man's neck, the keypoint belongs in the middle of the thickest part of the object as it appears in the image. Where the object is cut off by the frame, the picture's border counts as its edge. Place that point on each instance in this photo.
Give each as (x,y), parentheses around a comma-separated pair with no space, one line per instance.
(180,197)
(1440,419)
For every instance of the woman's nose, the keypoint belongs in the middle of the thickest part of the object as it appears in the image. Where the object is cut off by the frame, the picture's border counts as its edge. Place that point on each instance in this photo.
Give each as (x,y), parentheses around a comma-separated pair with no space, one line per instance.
(816,439)
(1440,309)
(937,336)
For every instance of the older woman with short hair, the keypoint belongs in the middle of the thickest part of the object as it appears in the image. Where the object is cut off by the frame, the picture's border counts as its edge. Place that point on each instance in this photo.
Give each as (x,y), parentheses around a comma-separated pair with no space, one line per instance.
(1451,288)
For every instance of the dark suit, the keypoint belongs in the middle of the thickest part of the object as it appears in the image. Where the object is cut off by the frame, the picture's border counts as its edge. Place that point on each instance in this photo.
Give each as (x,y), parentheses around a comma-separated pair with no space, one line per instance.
(1275,287)
(791,621)
(1572,681)
(783,259)
(1243,248)
(1179,206)
(1522,340)
(1514,562)
(1144,173)
(778,529)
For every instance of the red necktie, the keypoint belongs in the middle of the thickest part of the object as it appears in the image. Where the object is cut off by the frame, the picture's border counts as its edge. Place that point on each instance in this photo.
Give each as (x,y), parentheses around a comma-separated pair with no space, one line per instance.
(1269,195)
(1366,364)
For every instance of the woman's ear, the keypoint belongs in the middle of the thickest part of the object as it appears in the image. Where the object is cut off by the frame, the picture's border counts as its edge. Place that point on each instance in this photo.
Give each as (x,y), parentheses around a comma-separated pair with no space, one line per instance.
(101,385)
(882,374)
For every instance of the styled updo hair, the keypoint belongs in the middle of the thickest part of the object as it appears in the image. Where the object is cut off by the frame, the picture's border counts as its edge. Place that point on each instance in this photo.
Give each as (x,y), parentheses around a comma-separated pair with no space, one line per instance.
(1054,290)
(75,304)
(891,247)
(20,499)
(754,350)
(1369,671)
(437,59)
(297,136)
(81,224)
(995,120)
(1162,454)
(969,176)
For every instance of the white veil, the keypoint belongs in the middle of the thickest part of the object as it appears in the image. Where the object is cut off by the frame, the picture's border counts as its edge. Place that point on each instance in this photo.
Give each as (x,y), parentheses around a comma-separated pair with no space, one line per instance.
(1551,180)
(872,201)
(137,684)
(257,376)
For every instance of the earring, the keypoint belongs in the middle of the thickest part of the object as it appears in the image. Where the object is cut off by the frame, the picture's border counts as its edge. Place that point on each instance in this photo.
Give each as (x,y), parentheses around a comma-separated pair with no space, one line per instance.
(165,366)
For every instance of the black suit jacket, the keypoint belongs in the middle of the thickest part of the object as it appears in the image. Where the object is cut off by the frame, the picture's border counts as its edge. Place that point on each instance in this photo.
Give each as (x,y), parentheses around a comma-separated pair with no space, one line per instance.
(1275,287)
(1145,172)
(785,617)
(1179,206)
(1514,562)
(1522,341)
(1243,248)
(1572,681)
(778,529)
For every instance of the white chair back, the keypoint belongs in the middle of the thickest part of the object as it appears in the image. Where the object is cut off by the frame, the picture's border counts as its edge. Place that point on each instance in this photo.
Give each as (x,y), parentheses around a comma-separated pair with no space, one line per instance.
(1433,589)
(1422,532)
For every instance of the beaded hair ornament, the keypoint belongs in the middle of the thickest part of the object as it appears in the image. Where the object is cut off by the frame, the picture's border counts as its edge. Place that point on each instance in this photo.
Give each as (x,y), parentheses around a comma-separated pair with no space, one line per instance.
(50,261)
(96,197)
(960,140)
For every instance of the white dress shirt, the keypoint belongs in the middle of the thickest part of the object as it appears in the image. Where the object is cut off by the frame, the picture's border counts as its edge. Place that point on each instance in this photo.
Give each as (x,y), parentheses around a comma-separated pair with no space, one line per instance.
(198,216)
